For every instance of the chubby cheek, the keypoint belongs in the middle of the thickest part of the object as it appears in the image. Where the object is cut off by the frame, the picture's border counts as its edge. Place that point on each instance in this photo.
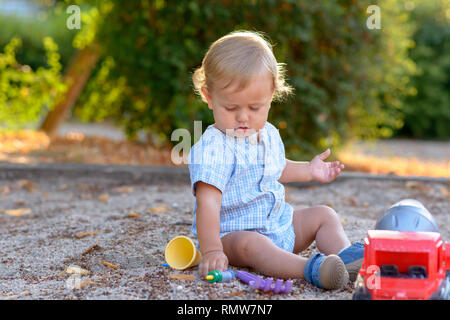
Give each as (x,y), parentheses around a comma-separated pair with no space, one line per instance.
(261,118)
(224,119)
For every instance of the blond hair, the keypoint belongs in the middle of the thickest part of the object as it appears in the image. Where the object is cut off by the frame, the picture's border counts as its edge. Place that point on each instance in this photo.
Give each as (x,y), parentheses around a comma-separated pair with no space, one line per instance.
(239,56)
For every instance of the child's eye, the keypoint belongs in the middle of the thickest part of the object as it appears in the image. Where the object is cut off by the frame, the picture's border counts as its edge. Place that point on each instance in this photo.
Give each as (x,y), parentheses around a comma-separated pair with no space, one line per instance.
(230,108)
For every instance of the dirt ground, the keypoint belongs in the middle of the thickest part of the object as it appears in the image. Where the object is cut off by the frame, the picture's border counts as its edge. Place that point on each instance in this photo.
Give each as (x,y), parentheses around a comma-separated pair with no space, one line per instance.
(117,231)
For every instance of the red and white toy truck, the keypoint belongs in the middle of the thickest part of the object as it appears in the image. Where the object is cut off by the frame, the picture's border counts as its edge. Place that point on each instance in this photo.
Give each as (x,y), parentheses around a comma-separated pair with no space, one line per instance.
(404,257)
(404,265)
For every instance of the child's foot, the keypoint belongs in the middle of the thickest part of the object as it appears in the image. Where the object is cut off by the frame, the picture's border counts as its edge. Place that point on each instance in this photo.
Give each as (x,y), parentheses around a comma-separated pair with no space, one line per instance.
(327,272)
(353,257)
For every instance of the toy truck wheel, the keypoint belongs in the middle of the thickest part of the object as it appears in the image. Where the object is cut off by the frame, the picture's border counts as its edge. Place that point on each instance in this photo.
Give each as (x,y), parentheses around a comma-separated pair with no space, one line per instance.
(362,294)
(361,291)
(443,292)
(389,270)
(417,272)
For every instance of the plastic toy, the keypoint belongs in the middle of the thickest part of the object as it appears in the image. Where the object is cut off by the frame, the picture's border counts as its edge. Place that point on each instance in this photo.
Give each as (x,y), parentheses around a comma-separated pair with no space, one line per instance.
(218,276)
(406,261)
(181,253)
(258,282)
(407,215)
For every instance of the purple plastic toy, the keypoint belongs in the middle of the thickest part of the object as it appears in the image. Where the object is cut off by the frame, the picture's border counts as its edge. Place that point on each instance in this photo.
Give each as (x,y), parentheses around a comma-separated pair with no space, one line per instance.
(257,282)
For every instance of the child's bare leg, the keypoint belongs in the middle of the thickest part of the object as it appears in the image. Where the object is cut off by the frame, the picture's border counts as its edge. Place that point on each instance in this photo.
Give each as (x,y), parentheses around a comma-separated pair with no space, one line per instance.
(322,224)
(252,249)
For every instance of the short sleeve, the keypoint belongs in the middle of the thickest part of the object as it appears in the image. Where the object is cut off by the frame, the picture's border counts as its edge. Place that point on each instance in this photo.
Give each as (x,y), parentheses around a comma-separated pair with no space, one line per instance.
(282,153)
(278,147)
(211,161)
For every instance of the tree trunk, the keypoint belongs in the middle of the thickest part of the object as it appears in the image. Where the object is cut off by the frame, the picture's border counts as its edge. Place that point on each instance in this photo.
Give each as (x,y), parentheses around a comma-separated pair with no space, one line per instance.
(76,77)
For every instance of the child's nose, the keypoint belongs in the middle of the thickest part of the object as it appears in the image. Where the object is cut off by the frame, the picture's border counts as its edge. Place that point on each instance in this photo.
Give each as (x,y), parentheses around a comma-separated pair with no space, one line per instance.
(242,116)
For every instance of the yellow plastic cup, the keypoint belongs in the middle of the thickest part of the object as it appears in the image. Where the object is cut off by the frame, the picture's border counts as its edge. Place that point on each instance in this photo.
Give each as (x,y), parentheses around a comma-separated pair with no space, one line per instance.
(181,253)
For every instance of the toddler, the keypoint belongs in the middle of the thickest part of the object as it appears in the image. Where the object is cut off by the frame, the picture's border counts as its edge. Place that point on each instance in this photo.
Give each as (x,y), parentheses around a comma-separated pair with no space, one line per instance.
(237,169)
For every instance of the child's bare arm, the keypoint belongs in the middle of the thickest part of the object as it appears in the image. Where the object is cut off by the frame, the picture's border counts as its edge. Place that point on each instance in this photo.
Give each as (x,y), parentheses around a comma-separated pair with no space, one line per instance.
(209,200)
(316,169)
(296,171)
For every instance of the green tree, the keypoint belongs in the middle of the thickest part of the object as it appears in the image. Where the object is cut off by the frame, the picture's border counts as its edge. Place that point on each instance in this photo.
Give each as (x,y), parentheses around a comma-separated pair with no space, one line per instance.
(427,112)
(81,67)
(349,80)
(26,93)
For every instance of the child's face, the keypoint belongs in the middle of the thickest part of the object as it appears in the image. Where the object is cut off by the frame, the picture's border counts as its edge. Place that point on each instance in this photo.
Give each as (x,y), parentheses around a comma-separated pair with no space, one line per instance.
(242,113)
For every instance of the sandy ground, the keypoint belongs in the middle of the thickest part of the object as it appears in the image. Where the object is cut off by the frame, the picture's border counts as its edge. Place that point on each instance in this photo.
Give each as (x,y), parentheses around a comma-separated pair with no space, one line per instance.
(117,230)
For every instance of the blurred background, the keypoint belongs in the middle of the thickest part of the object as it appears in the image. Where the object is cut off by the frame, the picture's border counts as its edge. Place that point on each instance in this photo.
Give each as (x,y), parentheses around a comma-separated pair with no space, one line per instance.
(114,90)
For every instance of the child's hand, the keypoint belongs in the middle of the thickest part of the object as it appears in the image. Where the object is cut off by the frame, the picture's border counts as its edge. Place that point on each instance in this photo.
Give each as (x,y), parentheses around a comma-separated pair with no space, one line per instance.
(325,171)
(213,260)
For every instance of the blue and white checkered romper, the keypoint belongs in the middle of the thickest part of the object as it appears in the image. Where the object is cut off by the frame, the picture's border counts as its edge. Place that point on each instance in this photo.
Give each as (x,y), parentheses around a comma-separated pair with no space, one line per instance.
(247,173)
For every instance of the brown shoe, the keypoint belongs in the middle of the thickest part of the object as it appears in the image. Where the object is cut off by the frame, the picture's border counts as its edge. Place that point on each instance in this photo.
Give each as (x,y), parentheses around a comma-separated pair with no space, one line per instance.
(327,272)
(333,274)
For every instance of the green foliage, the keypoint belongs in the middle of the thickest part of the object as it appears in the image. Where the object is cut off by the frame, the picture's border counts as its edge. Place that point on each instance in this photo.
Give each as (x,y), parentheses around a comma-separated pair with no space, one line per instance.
(103,95)
(348,80)
(93,14)
(427,113)
(32,30)
(25,94)
(387,73)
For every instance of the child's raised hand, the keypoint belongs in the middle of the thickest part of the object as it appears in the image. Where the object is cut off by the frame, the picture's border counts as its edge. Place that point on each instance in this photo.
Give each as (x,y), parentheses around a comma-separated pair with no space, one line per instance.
(213,260)
(325,171)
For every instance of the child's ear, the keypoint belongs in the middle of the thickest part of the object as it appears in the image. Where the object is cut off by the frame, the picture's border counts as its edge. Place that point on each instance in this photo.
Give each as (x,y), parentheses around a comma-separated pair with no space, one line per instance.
(207,97)
(206,93)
